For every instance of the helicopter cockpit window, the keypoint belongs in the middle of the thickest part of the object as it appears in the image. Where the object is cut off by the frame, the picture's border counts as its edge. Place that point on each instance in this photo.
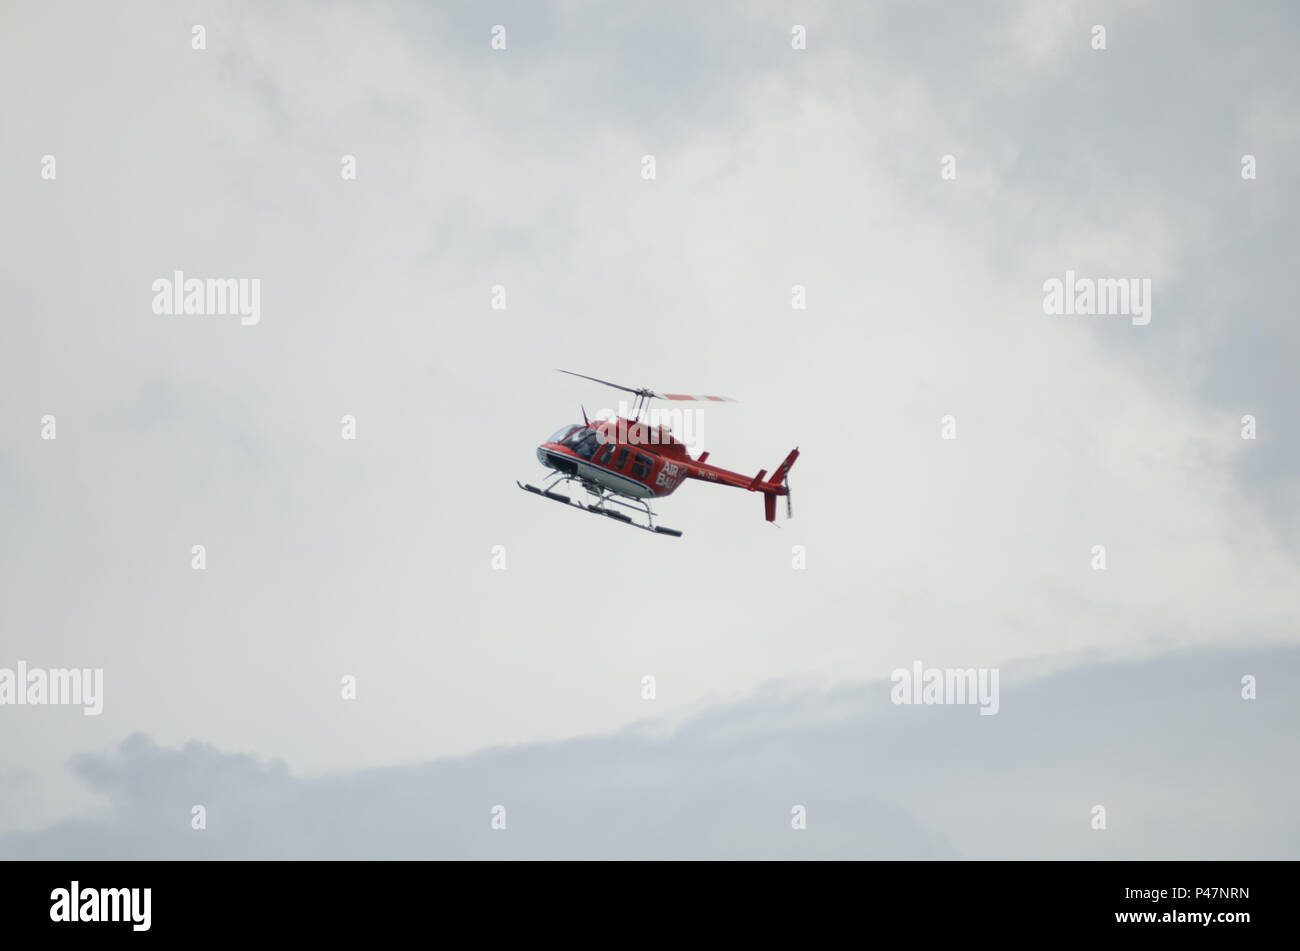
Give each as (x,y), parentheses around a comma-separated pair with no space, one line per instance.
(576,437)
(584,442)
(563,431)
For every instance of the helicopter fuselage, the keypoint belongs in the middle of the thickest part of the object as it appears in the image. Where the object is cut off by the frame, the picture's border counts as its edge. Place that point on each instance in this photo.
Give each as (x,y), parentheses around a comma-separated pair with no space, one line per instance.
(626,457)
(641,461)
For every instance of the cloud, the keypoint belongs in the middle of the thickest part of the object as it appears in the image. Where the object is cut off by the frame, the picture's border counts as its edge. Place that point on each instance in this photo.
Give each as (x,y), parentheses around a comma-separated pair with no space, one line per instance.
(818,167)
(1184,767)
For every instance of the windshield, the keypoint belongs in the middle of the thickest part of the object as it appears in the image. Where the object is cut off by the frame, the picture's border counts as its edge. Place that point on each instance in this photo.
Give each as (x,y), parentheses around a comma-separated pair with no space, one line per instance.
(563,431)
(576,437)
(584,442)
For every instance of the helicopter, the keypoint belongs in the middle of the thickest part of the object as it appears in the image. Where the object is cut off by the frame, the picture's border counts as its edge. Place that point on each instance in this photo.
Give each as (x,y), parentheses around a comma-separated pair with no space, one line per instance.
(626,462)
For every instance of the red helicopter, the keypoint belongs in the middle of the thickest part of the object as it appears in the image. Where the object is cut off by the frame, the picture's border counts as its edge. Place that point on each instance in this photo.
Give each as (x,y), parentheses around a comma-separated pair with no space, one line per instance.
(623,459)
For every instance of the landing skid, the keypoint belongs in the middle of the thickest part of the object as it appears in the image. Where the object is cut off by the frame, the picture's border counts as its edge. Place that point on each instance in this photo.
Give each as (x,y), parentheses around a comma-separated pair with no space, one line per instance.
(603,498)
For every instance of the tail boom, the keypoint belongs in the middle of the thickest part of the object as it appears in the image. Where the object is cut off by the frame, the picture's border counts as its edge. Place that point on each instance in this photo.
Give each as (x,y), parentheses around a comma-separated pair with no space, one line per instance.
(771,488)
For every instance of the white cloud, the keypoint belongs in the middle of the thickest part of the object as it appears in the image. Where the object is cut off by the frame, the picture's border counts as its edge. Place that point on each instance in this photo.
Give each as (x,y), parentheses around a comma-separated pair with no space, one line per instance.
(372,558)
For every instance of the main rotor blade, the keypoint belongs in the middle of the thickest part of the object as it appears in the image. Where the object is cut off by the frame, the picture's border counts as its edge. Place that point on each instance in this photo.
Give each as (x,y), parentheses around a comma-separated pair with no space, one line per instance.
(652,394)
(628,389)
(701,399)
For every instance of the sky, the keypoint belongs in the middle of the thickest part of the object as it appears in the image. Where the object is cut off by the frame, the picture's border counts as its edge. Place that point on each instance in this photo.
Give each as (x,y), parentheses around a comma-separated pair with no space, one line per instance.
(499,645)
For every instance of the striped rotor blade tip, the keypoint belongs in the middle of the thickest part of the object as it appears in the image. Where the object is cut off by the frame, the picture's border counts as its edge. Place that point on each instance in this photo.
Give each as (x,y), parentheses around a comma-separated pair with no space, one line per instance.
(699,399)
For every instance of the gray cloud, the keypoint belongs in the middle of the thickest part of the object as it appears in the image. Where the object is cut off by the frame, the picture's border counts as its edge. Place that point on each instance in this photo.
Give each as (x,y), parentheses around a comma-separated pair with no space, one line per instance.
(1184,767)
